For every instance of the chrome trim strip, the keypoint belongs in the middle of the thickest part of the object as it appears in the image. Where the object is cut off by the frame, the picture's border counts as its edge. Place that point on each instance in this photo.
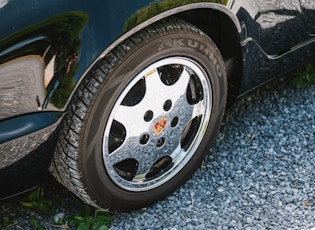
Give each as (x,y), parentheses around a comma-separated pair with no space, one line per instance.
(275,57)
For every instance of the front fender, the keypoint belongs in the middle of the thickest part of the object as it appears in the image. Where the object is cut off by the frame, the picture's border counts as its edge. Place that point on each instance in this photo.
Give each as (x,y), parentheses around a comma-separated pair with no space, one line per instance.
(56,44)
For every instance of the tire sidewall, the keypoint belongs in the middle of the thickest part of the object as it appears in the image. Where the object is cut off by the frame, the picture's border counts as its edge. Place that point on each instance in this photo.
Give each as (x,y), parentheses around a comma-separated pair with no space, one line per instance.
(98,183)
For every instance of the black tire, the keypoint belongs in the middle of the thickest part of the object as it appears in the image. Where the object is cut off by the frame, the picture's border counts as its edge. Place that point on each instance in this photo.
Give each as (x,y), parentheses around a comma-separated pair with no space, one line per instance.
(144,118)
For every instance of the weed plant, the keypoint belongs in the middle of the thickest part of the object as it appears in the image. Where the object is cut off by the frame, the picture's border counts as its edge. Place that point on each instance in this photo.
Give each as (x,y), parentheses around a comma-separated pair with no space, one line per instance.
(304,76)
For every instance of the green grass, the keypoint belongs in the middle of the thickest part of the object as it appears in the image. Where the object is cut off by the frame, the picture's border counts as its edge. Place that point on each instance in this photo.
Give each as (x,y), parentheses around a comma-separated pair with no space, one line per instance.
(89,220)
(38,202)
(304,77)
(86,217)
(6,222)
(48,200)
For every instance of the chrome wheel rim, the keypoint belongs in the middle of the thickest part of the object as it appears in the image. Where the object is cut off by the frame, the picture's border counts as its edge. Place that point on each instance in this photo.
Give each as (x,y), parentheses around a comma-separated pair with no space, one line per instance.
(157,124)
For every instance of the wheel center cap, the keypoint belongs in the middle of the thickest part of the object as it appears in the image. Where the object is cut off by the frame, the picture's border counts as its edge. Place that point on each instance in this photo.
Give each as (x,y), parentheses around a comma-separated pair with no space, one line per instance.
(159,126)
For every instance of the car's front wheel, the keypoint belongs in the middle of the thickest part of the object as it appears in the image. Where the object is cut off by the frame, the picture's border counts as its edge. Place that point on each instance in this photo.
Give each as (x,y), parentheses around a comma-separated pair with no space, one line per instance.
(143,119)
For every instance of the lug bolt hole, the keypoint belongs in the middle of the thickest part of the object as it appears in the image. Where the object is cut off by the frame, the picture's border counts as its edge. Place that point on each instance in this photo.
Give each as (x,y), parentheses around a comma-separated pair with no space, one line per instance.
(144,139)
(148,115)
(167,105)
(174,122)
(160,142)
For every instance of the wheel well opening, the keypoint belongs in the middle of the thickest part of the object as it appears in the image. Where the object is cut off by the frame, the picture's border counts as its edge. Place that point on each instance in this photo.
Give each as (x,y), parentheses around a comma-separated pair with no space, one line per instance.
(221,29)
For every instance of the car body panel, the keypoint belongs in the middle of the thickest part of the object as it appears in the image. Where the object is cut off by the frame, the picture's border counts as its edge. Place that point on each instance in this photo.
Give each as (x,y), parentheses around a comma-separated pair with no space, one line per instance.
(25,160)
(47,48)
(309,15)
(269,47)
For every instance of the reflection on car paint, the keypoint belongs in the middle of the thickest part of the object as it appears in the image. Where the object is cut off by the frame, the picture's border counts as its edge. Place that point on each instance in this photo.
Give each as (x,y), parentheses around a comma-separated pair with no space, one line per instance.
(37,72)
(156,8)
(21,86)
(262,23)
(26,164)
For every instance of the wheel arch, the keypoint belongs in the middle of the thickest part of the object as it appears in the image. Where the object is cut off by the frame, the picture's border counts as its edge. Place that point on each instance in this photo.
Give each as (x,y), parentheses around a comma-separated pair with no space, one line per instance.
(215,20)
(224,31)
(219,23)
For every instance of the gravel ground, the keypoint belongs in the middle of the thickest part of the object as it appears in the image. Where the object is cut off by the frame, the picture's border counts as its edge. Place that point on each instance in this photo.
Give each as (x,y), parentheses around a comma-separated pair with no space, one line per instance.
(259,173)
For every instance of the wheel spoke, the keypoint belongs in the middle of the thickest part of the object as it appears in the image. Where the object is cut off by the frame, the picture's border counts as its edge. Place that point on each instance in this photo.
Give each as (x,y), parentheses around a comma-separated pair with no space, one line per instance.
(131,117)
(198,109)
(146,155)
(179,89)
(156,92)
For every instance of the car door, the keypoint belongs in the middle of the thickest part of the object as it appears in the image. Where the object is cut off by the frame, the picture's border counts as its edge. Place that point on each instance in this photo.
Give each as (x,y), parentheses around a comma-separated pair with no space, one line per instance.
(308,8)
(271,31)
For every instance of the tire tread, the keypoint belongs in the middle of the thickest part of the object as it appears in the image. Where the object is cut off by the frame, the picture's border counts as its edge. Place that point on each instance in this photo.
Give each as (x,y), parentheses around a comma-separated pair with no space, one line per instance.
(66,162)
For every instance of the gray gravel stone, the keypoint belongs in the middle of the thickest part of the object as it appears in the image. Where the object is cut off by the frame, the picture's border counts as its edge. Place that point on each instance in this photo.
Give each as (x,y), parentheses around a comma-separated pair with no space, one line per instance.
(260,174)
